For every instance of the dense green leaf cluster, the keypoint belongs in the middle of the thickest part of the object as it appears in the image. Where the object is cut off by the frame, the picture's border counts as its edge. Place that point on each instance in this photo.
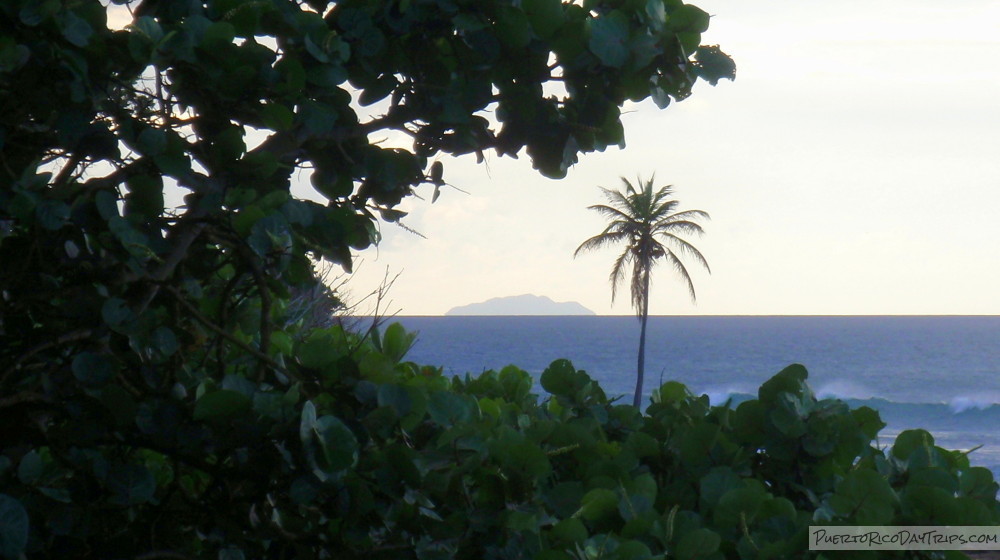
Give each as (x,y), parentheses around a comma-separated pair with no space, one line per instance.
(394,460)
(152,358)
(163,395)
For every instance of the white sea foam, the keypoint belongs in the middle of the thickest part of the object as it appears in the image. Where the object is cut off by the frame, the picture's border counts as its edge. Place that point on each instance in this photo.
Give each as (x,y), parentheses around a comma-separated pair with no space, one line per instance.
(979,402)
(843,389)
(719,395)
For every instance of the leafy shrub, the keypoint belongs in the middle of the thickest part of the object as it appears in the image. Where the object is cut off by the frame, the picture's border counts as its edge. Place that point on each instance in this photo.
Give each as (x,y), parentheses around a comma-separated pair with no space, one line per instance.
(160,396)
(394,460)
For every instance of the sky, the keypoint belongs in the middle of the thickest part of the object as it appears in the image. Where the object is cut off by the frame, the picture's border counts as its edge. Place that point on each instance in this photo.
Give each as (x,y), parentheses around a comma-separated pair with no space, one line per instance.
(853,167)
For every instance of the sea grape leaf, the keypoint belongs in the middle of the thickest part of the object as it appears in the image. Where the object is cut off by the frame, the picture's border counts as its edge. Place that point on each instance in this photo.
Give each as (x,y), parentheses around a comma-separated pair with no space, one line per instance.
(277,116)
(76,30)
(609,39)
(633,550)
(929,476)
(570,530)
(740,505)
(152,141)
(231,553)
(116,313)
(14,527)
(656,14)
(526,457)
(792,380)
(317,351)
(218,35)
(34,13)
(973,512)
(30,469)
(788,415)
(545,16)
(699,543)
(513,28)
(930,505)
(716,484)
(221,404)
(868,420)
(672,392)
(130,484)
(910,440)
(447,408)
(516,383)
(93,369)
(864,497)
(597,504)
(164,341)
(306,423)
(395,397)
(714,65)
(52,214)
(977,482)
(560,378)
(396,341)
(690,18)
(145,195)
(337,443)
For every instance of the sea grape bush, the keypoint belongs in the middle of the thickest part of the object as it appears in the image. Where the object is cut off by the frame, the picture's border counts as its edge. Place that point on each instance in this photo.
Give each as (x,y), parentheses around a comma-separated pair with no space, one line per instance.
(395,460)
(161,398)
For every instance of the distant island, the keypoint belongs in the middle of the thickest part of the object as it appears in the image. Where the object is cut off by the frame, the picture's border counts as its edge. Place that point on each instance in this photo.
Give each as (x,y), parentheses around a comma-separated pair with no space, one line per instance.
(527,304)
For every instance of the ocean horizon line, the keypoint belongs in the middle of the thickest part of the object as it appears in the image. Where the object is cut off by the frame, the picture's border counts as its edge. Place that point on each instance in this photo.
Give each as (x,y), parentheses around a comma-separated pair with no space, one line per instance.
(762,315)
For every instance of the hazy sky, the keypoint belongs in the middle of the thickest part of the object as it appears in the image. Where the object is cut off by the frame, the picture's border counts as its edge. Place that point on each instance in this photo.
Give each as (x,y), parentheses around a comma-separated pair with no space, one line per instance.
(853,167)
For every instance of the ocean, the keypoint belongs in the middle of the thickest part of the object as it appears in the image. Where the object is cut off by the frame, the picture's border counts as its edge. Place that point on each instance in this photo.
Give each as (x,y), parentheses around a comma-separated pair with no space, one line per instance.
(940,373)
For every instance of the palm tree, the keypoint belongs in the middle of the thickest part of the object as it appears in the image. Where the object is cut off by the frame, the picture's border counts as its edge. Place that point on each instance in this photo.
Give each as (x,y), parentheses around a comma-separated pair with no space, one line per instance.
(650,226)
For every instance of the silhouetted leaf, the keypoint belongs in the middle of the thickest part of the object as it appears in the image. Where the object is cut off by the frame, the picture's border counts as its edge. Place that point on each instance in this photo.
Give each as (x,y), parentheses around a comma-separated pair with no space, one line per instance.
(130,484)
(93,369)
(609,39)
(14,526)
(221,404)
(337,443)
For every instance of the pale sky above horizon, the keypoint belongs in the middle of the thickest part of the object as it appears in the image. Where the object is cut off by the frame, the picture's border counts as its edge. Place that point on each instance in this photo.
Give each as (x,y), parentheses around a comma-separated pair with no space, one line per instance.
(853,167)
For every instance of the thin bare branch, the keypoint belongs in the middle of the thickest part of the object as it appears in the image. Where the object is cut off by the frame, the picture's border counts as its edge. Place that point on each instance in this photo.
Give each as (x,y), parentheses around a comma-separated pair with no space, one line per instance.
(201,318)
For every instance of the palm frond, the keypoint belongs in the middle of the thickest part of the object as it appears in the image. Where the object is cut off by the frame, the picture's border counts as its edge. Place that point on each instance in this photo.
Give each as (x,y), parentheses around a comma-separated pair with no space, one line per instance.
(664,193)
(678,265)
(611,212)
(662,210)
(600,240)
(683,226)
(618,272)
(690,215)
(617,199)
(689,249)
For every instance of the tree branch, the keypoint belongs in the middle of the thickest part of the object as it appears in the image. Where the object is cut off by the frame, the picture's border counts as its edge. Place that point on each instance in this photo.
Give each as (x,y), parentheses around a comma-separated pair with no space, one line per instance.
(175,257)
(229,336)
(74,336)
(23,397)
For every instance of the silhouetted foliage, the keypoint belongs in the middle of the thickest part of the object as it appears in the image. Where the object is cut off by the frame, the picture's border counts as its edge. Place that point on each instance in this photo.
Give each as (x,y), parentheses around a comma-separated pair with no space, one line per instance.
(159,396)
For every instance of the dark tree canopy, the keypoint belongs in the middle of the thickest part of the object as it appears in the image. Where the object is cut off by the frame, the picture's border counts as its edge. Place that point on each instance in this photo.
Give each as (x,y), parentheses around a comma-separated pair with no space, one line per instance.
(228,99)
(164,394)
(157,390)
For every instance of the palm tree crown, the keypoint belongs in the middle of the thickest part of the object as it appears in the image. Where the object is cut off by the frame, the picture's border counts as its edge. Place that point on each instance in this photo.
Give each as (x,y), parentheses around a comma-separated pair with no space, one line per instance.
(650,226)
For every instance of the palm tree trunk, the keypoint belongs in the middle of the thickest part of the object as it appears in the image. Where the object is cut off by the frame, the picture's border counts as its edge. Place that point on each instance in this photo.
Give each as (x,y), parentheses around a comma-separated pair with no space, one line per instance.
(640,370)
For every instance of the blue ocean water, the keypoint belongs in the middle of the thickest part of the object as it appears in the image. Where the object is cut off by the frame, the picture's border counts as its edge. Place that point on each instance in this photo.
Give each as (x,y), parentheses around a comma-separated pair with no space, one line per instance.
(940,373)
